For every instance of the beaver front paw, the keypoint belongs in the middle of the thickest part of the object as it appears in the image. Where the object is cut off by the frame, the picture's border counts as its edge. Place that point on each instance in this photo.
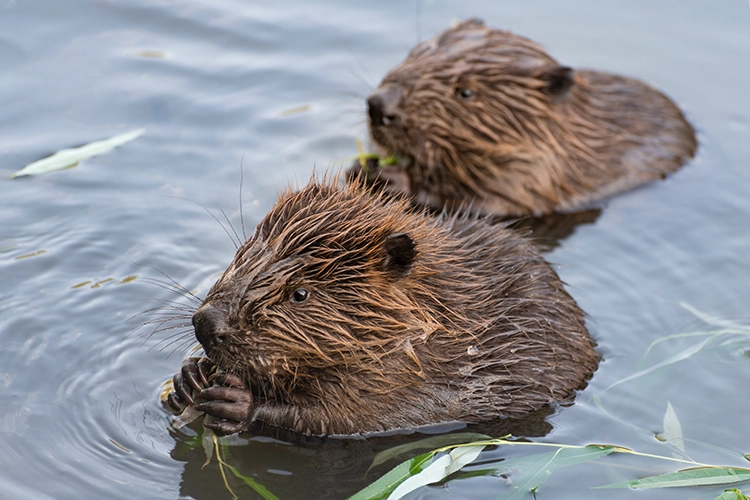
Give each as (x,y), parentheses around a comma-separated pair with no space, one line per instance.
(192,378)
(229,401)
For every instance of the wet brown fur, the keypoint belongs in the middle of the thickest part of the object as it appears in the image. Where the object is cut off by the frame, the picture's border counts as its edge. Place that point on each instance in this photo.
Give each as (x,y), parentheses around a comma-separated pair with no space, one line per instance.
(525,143)
(477,326)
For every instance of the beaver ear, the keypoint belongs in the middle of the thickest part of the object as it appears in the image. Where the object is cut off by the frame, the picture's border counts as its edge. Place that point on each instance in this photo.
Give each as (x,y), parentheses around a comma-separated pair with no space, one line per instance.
(400,251)
(559,80)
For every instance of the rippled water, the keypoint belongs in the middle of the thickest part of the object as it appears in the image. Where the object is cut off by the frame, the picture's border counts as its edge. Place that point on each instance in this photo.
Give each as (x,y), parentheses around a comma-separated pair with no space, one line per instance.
(274,89)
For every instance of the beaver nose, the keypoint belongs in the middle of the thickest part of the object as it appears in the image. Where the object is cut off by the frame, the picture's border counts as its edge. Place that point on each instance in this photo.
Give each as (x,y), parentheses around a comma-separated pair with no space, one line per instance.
(382,106)
(210,326)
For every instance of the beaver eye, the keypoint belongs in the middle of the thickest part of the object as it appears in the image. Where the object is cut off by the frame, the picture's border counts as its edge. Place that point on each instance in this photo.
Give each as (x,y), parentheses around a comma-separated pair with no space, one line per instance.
(465,94)
(300,295)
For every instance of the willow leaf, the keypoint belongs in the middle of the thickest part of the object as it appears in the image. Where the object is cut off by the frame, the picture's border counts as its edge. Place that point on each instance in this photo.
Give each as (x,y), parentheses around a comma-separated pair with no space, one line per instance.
(67,158)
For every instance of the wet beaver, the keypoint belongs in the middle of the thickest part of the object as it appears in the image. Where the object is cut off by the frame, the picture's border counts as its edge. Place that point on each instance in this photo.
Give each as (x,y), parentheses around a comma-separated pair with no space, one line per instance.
(348,312)
(487,117)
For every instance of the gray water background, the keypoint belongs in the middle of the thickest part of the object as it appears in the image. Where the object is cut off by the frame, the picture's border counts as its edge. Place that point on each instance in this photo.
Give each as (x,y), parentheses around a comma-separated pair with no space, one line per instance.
(277,88)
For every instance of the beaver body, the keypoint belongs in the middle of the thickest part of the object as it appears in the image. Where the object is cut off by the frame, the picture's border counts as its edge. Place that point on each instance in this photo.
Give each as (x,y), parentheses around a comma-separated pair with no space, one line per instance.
(348,312)
(486,118)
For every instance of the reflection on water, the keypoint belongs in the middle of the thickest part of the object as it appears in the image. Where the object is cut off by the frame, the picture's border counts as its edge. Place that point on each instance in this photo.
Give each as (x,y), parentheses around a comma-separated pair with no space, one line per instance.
(275,89)
(328,468)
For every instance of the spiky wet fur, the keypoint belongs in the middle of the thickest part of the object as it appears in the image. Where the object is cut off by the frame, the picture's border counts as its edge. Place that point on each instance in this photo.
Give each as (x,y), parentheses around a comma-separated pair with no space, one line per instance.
(478,327)
(519,147)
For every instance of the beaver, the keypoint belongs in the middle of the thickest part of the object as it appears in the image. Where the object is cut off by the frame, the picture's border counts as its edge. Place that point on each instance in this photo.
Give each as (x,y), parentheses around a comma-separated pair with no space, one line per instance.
(349,312)
(486,118)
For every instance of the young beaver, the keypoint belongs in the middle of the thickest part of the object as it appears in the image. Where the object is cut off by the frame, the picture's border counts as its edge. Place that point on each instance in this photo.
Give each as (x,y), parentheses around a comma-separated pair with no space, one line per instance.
(487,118)
(347,312)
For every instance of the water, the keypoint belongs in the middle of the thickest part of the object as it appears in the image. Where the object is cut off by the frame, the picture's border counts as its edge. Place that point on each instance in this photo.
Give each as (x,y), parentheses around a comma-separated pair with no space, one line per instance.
(276,89)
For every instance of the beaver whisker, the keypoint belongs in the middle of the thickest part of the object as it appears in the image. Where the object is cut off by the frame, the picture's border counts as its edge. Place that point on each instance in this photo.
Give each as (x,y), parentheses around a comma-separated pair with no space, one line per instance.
(181,345)
(172,286)
(188,346)
(236,242)
(162,325)
(185,328)
(168,305)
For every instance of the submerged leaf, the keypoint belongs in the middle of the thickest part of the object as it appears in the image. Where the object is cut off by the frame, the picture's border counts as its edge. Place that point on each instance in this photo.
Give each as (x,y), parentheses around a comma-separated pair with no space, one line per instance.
(255,485)
(699,476)
(67,158)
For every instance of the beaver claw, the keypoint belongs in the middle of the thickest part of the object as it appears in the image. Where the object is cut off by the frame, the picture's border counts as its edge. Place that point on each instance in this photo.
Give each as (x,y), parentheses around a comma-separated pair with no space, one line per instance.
(221,395)
(229,401)
(193,377)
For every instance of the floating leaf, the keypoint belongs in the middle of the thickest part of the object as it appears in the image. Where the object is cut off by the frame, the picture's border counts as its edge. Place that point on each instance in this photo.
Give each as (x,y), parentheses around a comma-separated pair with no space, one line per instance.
(672,429)
(383,487)
(540,467)
(438,470)
(680,356)
(99,284)
(530,472)
(712,320)
(294,111)
(34,254)
(699,476)
(68,158)
(152,54)
(427,443)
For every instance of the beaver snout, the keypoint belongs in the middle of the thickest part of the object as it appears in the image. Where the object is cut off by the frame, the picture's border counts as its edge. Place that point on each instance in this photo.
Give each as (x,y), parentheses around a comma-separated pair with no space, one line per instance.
(210,326)
(383,106)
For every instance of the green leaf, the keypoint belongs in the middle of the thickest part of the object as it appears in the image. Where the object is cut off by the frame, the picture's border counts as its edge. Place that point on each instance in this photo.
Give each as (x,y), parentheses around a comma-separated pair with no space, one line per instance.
(208,446)
(680,356)
(699,476)
(541,466)
(68,158)
(383,487)
(427,443)
(389,160)
(733,494)
(712,320)
(438,470)
(672,429)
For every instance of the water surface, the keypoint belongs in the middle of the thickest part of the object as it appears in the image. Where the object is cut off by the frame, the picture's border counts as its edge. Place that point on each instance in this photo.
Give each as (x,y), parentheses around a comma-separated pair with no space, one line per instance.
(273,89)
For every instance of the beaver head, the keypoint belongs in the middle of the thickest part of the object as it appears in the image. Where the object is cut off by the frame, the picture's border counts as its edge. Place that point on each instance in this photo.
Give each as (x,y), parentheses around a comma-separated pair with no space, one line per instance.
(346,312)
(487,117)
